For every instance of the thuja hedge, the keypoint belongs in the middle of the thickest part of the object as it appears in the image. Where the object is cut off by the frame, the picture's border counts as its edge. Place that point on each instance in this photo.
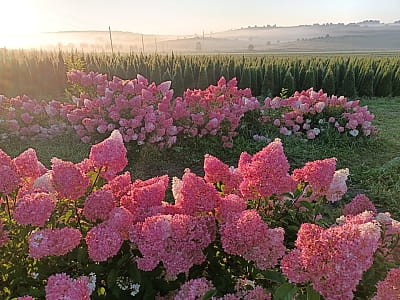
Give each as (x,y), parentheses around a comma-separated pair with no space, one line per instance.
(40,73)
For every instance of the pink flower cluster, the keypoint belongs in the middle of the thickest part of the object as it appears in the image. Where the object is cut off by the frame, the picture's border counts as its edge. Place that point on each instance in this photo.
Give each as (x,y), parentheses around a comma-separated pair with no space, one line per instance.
(248,235)
(98,205)
(175,240)
(61,286)
(337,187)
(110,154)
(28,165)
(266,172)
(307,113)
(34,209)
(257,293)
(103,241)
(196,195)
(318,174)
(215,110)
(139,110)
(68,180)
(145,198)
(332,259)
(176,234)
(194,289)
(389,288)
(390,246)
(217,172)
(10,178)
(26,118)
(47,242)
(359,204)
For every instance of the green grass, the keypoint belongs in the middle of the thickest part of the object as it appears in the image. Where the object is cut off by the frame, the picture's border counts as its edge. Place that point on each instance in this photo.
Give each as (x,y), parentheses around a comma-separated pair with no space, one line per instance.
(374,163)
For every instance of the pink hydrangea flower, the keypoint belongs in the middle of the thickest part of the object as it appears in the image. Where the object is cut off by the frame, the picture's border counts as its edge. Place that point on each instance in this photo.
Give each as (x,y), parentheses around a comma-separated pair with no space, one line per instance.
(110,153)
(121,220)
(68,180)
(98,205)
(266,172)
(216,171)
(145,195)
(359,204)
(196,195)
(47,242)
(120,185)
(44,183)
(26,298)
(61,286)
(390,247)
(319,174)
(335,263)
(338,186)
(34,209)
(230,207)
(103,241)
(249,236)
(8,174)
(389,289)
(175,240)
(27,164)
(194,289)
(258,293)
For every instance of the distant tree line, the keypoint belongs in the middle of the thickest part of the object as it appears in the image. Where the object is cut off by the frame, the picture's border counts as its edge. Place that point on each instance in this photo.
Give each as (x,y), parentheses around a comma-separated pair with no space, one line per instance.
(42,74)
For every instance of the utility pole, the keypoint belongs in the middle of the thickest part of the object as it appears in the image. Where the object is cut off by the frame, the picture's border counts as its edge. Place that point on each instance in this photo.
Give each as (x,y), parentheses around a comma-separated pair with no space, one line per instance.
(112,49)
(142,44)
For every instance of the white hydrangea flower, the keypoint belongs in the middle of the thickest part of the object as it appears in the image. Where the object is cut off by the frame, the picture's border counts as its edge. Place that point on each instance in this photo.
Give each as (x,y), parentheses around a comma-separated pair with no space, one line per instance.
(354,132)
(92,282)
(134,289)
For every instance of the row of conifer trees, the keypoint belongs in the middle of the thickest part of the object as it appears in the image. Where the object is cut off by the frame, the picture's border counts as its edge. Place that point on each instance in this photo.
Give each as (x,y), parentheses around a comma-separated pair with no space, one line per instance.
(42,74)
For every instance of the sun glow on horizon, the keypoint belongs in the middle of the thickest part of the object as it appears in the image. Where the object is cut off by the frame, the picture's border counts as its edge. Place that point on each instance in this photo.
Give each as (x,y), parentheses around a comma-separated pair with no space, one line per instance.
(20,24)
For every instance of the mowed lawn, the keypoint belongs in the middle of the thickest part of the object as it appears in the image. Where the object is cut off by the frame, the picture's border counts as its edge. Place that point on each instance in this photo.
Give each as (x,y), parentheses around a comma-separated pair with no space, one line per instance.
(374,163)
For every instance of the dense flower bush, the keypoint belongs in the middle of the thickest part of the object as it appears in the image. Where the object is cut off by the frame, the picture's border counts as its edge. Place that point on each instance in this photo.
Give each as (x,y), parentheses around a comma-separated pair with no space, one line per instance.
(147,113)
(215,110)
(308,113)
(86,231)
(27,119)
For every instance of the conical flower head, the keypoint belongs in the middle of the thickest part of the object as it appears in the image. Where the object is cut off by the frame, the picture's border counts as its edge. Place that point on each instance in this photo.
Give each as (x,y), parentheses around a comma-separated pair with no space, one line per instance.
(266,172)
(110,153)
(8,174)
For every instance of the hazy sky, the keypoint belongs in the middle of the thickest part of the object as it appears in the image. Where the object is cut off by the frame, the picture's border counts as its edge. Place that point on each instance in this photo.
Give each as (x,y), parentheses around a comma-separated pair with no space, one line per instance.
(184,17)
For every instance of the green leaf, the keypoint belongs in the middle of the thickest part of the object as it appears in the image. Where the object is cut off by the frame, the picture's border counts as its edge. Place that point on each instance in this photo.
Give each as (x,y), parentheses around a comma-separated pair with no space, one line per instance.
(112,278)
(312,294)
(307,205)
(209,294)
(274,276)
(285,291)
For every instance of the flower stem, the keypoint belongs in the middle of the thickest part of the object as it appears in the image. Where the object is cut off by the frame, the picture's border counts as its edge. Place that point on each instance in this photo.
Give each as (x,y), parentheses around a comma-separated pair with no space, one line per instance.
(95,180)
(8,206)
